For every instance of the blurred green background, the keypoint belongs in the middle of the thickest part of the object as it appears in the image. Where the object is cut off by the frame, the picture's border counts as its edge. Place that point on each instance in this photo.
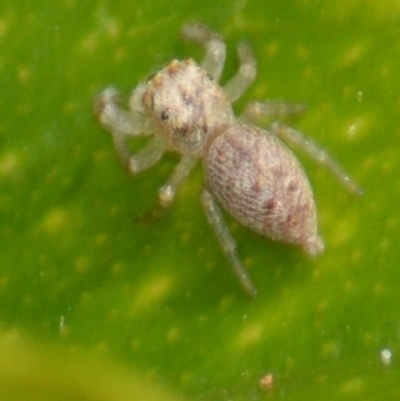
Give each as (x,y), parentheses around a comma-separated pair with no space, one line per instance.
(89,295)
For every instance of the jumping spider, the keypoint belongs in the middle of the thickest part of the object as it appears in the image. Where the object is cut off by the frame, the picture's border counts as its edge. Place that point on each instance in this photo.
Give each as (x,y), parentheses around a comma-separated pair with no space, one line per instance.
(249,171)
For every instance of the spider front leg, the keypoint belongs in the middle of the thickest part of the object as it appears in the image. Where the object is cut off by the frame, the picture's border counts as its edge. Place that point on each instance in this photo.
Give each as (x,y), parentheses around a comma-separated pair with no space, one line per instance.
(124,124)
(226,240)
(246,74)
(111,116)
(215,47)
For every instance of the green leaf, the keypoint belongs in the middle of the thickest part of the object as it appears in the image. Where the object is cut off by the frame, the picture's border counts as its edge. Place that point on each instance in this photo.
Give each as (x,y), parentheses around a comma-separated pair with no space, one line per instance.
(80,270)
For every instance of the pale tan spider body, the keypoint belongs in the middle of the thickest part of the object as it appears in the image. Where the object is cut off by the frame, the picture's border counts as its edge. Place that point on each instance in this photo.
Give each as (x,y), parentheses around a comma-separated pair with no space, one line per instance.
(249,171)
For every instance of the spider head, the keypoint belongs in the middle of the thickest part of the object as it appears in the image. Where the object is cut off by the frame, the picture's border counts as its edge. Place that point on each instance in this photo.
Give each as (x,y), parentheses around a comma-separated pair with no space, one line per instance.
(185,106)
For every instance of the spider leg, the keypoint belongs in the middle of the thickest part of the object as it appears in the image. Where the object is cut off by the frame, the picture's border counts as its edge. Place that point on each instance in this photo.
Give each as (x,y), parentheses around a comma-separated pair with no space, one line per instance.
(113,117)
(226,240)
(166,193)
(246,74)
(256,111)
(123,124)
(317,153)
(215,47)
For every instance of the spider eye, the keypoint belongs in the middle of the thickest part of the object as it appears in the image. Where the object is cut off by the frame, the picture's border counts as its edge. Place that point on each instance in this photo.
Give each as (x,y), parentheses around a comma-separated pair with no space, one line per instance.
(164,115)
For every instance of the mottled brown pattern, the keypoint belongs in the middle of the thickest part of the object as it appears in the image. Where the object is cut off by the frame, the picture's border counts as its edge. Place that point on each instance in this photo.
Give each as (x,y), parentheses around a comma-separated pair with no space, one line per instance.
(259,181)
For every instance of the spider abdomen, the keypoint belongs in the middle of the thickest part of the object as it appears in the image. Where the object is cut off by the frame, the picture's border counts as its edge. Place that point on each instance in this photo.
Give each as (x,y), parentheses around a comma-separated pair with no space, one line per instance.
(260,183)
